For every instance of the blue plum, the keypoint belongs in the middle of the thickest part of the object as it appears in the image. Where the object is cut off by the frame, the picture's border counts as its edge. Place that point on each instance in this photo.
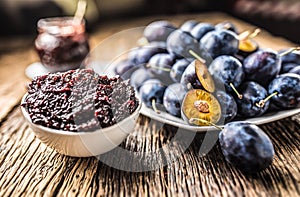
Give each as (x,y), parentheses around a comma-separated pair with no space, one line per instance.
(219,42)
(246,146)
(125,68)
(295,70)
(139,76)
(173,97)
(188,25)
(141,55)
(158,31)
(178,68)
(180,43)
(228,105)
(201,29)
(151,91)
(293,57)
(227,70)
(287,87)
(286,67)
(160,66)
(262,66)
(251,103)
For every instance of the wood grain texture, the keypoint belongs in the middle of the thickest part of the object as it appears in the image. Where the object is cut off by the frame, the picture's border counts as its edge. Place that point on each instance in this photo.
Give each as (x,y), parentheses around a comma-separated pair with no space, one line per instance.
(29,168)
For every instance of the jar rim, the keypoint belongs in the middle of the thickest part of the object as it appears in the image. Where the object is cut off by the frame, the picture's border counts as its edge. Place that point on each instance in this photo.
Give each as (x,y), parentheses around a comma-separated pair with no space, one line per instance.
(60,25)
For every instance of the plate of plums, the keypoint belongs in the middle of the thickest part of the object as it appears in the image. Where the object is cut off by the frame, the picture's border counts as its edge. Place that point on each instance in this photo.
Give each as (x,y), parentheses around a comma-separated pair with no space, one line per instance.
(199,76)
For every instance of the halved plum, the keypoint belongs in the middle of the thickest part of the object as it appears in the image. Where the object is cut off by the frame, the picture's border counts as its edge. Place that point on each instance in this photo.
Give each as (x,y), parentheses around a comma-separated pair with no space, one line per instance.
(196,76)
(200,108)
(246,47)
(204,76)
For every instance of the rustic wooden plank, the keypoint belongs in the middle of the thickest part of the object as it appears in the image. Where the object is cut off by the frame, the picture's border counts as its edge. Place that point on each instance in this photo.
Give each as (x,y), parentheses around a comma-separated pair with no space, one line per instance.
(29,168)
(12,79)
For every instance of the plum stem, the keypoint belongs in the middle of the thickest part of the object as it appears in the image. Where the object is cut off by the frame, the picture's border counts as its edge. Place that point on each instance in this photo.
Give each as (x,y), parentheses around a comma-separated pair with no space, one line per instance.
(154,106)
(289,51)
(80,11)
(193,53)
(254,33)
(142,41)
(159,68)
(262,103)
(246,35)
(192,120)
(226,26)
(235,90)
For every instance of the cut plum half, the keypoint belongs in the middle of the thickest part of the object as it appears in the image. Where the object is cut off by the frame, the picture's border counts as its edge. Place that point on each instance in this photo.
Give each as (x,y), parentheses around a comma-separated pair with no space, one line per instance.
(200,108)
(248,46)
(204,76)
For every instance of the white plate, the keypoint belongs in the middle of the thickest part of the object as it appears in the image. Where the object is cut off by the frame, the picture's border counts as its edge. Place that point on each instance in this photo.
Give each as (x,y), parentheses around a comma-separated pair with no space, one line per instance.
(108,69)
(178,122)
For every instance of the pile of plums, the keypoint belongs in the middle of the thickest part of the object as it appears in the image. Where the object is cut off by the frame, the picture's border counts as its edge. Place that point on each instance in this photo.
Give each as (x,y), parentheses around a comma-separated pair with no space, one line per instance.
(210,74)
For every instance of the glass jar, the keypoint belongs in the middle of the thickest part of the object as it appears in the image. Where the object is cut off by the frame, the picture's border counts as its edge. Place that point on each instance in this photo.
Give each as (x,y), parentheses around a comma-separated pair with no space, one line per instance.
(61,44)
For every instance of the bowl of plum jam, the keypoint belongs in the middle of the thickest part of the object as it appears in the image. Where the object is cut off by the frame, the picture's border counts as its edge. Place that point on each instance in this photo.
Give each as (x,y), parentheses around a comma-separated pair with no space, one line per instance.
(80,113)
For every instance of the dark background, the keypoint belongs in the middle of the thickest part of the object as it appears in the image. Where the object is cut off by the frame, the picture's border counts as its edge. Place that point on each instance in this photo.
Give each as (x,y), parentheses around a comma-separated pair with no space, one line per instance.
(280,17)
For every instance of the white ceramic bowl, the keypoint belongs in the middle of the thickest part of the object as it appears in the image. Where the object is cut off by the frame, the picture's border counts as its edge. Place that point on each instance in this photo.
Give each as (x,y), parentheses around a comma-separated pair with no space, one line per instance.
(84,144)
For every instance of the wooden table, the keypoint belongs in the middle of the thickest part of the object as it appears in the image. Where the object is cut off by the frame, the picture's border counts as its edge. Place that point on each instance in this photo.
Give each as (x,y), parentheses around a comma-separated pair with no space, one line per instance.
(29,168)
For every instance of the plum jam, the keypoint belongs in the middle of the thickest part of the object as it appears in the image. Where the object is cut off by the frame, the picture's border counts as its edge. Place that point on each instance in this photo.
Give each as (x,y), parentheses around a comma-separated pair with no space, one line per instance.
(79,100)
(61,44)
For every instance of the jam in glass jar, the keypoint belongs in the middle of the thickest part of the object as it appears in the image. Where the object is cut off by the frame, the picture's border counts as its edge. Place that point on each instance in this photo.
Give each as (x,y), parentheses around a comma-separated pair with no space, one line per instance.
(62,44)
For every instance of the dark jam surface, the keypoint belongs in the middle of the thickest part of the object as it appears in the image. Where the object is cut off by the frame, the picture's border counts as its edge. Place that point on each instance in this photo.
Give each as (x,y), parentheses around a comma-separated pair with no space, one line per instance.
(79,100)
